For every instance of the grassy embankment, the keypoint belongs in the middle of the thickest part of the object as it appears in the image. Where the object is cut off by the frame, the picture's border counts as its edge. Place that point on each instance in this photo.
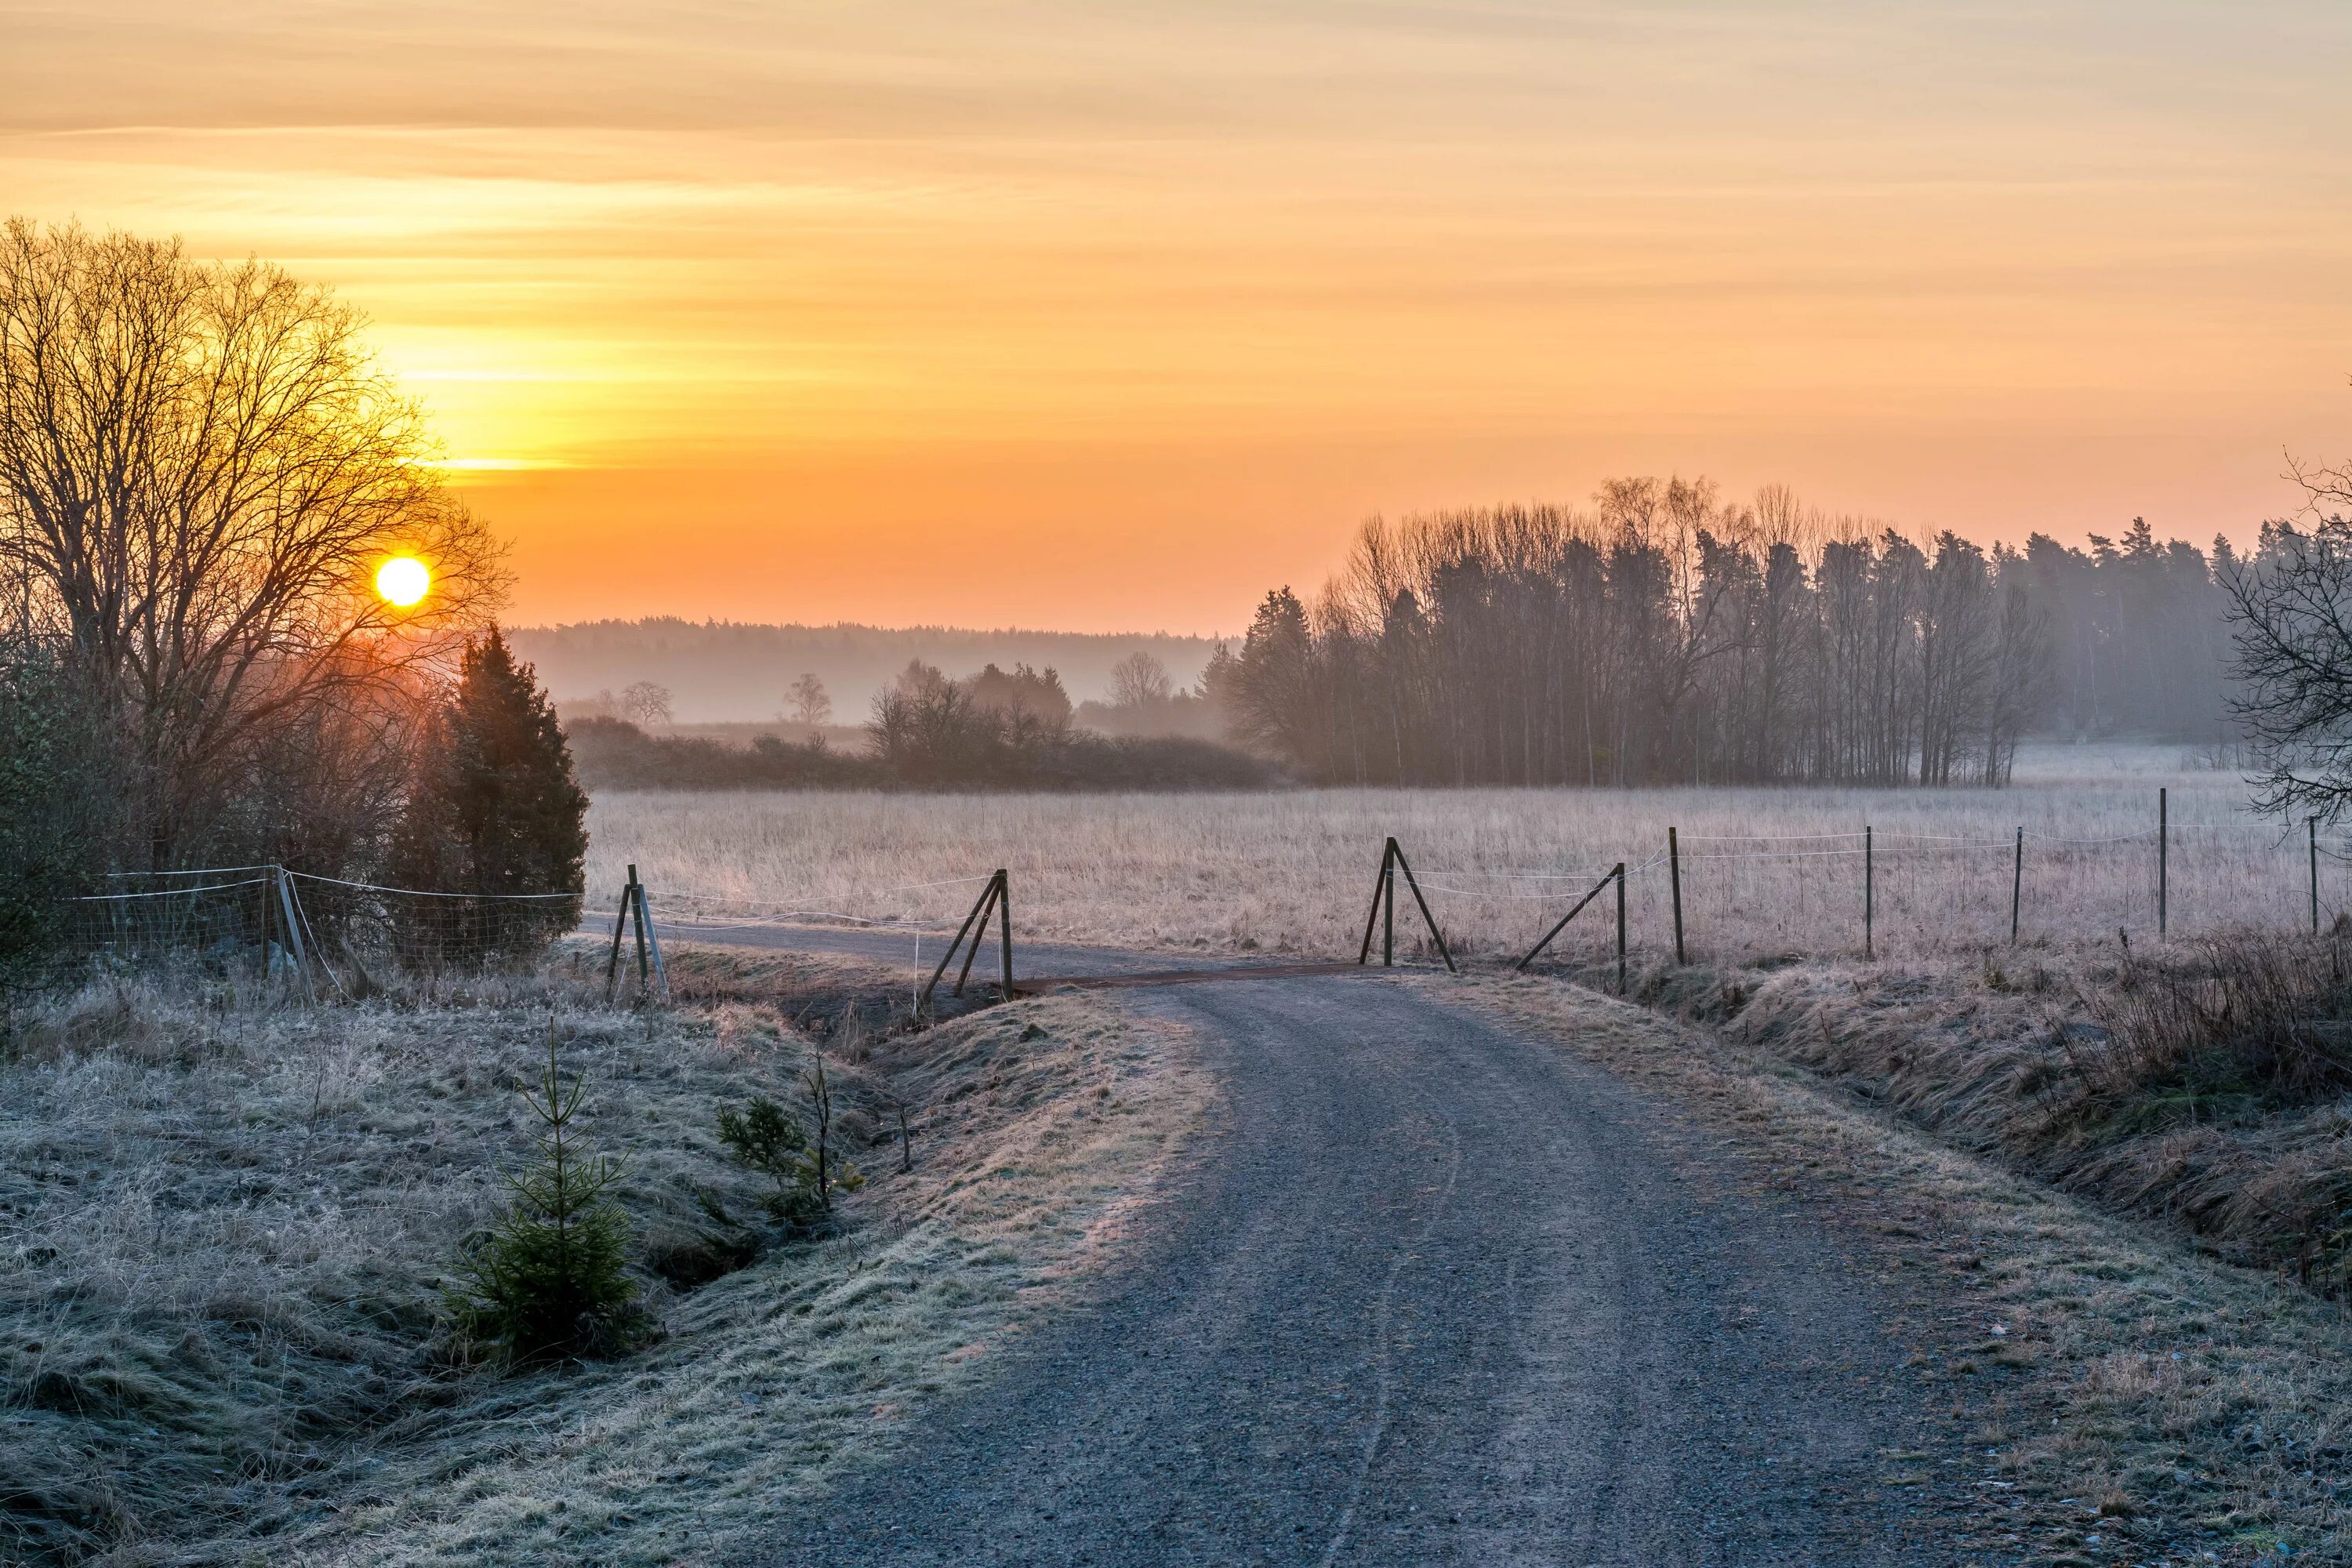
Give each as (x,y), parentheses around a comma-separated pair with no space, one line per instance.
(226,1223)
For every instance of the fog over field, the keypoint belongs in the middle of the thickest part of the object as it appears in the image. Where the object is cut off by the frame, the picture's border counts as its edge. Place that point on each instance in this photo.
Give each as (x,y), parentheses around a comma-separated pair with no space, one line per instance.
(1764,871)
(720,670)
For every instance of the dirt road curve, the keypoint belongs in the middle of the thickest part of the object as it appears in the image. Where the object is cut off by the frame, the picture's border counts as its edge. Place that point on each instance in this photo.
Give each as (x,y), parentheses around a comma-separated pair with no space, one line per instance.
(1432,1293)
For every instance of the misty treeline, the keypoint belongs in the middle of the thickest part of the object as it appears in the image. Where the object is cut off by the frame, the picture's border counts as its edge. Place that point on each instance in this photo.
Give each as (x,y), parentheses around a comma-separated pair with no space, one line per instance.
(1668,636)
(201,469)
(994,728)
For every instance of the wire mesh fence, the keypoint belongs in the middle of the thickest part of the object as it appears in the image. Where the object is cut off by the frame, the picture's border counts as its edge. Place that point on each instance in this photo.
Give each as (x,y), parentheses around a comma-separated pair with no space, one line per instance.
(321,931)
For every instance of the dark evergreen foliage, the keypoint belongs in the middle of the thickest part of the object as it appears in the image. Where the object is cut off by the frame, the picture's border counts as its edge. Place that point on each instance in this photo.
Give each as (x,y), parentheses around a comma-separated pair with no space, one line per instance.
(495,810)
(552,1278)
(54,826)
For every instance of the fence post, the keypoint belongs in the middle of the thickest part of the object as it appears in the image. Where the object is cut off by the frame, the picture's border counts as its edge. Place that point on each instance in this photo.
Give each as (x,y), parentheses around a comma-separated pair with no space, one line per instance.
(651,934)
(1005,927)
(294,946)
(2311,825)
(637,914)
(2016,886)
(1388,906)
(1675,879)
(988,897)
(1421,903)
(1621,927)
(2163,857)
(619,925)
(1380,883)
(1869,889)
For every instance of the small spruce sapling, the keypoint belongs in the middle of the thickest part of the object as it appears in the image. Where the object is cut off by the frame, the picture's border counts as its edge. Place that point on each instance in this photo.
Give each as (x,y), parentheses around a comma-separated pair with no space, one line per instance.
(767,1138)
(551,1279)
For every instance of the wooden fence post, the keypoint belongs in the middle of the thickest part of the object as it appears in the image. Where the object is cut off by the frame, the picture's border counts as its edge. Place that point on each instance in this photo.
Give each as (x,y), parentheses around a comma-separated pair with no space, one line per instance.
(1869,889)
(1561,925)
(1388,906)
(2016,886)
(650,934)
(1674,878)
(1621,927)
(1004,928)
(988,901)
(1381,883)
(1413,885)
(2163,857)
(619,925)
(638,915)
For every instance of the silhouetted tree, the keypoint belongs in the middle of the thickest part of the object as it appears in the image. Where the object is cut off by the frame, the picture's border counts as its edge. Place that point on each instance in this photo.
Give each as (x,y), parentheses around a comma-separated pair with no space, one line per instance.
(810,704)
(201,469)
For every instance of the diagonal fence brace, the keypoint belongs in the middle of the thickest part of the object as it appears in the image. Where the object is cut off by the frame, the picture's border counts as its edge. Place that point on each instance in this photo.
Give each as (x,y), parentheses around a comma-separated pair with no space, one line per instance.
(1615,874)
(995,899)
(1384,910)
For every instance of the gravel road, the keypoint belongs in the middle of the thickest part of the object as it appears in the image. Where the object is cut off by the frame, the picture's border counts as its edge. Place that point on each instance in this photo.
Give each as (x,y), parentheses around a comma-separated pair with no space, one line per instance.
(1431,1292)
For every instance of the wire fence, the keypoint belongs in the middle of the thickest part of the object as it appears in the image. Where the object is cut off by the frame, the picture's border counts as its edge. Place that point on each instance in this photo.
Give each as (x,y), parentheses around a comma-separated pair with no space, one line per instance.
(1867,890)
(1718,894)
(324,933)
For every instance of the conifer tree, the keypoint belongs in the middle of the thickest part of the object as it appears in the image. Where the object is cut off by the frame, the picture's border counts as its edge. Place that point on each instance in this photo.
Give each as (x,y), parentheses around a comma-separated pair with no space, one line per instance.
(551,1278)
(495,812)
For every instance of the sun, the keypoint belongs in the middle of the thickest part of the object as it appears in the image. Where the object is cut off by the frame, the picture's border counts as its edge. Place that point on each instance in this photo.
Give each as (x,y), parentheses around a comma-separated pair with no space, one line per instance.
(402,580)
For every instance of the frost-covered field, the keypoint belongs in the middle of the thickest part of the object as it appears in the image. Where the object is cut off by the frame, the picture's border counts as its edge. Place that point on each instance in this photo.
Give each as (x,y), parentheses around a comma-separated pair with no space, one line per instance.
(1764,871)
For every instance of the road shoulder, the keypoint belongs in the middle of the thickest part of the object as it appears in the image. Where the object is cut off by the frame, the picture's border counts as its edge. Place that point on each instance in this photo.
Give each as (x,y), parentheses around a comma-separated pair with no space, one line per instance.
(2139,1403)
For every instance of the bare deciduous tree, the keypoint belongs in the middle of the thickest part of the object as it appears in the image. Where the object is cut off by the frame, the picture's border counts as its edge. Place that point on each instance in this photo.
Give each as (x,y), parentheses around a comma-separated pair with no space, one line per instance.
(201,470)
(646,703)
(1139,680)
(811,704)
(2291,624)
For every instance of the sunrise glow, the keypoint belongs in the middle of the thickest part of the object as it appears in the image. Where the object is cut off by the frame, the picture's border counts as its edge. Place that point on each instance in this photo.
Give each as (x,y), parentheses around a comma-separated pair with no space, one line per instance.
(713,308)
(402,580)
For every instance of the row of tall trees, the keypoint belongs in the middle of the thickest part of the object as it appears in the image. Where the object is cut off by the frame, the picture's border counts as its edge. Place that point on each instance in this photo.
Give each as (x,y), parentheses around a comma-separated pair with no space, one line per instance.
(2139,633)
(1666,635)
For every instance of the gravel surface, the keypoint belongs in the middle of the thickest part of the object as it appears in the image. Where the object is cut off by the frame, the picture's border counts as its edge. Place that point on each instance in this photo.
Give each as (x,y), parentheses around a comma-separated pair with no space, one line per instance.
(1431,1293)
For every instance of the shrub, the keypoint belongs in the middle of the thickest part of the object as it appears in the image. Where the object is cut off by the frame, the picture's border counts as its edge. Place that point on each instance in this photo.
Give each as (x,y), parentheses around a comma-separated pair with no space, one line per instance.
(767,1138)
(2251,1017)
(52,785)
(552,1279)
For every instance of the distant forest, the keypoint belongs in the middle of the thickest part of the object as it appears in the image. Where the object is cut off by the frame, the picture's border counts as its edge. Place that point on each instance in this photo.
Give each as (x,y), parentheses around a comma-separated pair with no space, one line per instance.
(1663,635)
(1667,636)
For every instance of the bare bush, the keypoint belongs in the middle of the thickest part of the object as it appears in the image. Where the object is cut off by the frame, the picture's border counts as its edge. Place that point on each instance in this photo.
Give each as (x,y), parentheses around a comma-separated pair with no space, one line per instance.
(2243,1019)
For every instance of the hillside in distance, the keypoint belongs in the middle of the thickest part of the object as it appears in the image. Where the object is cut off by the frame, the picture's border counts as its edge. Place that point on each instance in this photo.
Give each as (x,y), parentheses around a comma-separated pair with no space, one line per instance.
(720,670)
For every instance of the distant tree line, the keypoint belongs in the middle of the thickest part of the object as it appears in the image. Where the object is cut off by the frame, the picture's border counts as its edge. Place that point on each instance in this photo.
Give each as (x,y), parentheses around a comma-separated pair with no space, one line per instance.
(1667,636)
(996,728)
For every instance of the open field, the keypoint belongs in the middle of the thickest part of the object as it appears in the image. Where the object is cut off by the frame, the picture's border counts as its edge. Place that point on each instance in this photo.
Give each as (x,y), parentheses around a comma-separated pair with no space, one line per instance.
(1766,871)
(224,1227)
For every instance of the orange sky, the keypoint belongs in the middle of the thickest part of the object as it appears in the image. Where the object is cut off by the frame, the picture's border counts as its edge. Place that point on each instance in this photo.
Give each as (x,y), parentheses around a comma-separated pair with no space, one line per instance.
(1112,316)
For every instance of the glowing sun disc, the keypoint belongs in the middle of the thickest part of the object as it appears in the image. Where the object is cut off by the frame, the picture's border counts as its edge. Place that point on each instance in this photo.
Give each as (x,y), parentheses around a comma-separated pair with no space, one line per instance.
(402,580)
